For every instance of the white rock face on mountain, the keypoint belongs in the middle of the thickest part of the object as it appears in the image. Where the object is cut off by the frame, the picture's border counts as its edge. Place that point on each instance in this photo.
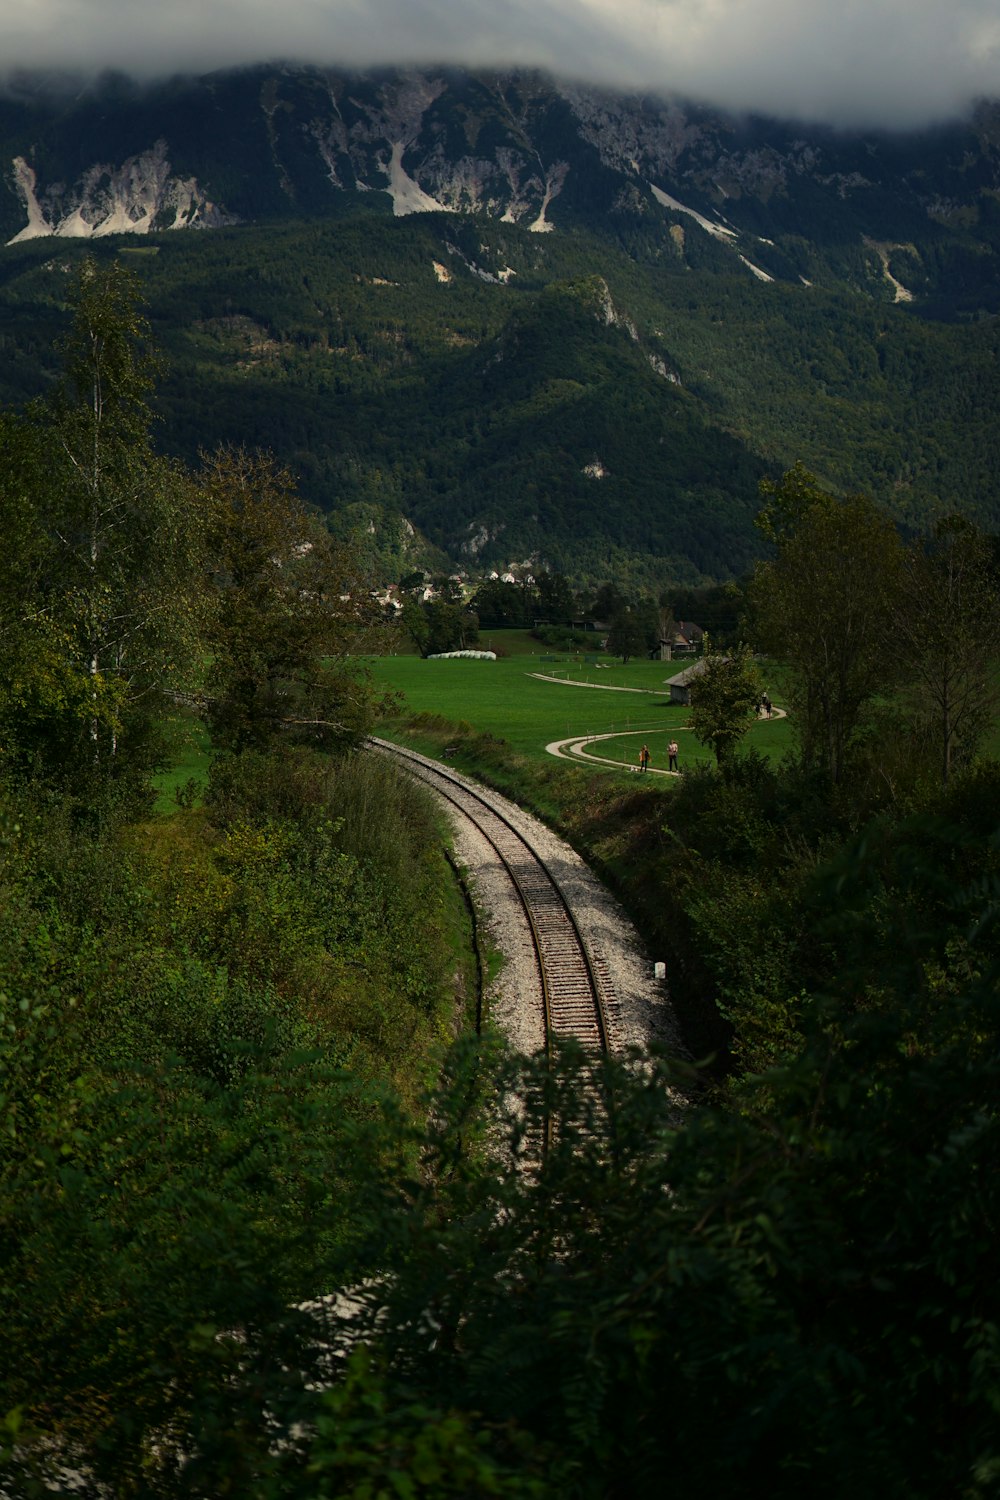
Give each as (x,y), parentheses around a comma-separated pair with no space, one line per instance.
(612,315)
(365,139)
(140,195)
(518,147)
(376,140)
(408,197)
(629,136)
(718,231)
(510,187)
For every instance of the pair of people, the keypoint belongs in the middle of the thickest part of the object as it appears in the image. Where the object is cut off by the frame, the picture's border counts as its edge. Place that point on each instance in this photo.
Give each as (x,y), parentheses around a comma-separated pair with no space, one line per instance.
(672,751)
(672,756)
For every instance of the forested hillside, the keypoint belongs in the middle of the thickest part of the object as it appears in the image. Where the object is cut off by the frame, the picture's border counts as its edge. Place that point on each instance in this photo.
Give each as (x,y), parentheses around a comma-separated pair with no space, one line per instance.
(591,413)
(487,320)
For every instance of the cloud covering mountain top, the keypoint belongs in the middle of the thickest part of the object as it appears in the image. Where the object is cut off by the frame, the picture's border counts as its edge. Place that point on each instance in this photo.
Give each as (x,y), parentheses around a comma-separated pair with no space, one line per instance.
(850,62)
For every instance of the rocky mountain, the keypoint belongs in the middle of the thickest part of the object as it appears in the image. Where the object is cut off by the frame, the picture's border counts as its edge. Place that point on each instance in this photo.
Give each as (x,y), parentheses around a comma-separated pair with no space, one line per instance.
(525,318)
(902,217)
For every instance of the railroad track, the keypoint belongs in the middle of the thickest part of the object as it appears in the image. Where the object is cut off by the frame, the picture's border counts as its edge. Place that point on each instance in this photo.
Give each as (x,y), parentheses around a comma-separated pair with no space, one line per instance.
(577,992)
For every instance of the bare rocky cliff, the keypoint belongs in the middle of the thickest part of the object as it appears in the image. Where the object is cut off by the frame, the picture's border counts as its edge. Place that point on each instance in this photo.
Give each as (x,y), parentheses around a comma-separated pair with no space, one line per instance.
(777,202)
(140,194)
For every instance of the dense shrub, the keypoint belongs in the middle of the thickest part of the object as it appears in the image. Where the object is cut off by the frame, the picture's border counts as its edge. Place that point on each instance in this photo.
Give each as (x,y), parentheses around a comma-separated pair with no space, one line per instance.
(201,1019)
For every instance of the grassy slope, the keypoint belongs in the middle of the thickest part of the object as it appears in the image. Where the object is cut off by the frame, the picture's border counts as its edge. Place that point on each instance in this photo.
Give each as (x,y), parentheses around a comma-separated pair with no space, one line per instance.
(504,700)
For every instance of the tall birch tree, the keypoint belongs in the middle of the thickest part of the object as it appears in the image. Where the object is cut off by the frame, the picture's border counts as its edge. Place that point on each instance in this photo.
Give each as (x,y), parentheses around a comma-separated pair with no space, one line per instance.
(121,525)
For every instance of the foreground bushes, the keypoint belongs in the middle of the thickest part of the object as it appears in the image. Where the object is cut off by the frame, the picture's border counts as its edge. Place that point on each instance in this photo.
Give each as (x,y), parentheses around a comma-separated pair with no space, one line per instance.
(198,1021)
(214,1033)
(798,1291)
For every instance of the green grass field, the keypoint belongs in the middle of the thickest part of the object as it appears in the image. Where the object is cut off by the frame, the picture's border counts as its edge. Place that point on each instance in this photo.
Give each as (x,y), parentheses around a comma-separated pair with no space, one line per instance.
(572,698)
(192,757)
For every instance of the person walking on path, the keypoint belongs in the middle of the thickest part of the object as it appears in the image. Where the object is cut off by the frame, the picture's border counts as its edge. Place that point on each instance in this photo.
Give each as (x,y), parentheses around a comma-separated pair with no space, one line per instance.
(672,756)
(644,758)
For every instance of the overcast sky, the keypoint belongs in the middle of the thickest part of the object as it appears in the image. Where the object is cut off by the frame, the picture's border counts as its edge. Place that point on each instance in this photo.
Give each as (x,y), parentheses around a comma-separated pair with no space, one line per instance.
(895,62)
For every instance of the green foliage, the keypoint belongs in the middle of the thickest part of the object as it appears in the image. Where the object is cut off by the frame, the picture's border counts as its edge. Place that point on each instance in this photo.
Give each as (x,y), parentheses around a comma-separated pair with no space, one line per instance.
(286,612)
(632,632)
(555,597)
(824,607)
(561,638)
(374,1439)
(725,700)
(717,610)
(947,623)
(439,625)
(798,1289)
(502,605)
(104,537)
(186,1158)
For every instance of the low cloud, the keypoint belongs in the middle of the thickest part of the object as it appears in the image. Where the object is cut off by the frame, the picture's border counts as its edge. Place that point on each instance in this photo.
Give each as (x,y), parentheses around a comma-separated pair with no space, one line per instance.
(884,62)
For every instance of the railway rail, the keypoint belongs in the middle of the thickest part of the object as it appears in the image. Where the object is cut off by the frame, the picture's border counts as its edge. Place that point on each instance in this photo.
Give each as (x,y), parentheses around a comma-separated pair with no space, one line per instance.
(577,993)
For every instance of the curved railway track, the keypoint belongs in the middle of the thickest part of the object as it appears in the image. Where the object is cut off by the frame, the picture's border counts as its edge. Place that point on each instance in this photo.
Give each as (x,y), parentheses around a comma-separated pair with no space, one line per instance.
(577,993)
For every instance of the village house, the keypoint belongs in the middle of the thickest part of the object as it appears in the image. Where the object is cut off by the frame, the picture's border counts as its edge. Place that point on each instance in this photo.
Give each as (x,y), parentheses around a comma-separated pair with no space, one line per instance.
(684,639)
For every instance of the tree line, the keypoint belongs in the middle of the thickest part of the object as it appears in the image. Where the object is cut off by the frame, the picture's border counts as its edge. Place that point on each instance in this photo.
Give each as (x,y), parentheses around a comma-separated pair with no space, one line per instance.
(603,617)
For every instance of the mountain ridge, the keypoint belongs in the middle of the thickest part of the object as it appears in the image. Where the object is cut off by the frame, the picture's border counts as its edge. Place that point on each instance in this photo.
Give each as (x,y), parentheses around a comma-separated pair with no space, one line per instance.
(526,319)
(524,148)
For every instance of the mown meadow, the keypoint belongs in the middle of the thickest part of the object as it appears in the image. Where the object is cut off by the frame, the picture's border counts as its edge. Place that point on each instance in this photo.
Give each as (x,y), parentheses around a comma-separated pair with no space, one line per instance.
(531,698)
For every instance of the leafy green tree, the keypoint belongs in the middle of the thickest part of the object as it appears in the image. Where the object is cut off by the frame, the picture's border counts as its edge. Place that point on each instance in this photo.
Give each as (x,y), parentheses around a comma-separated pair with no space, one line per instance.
(947,622)
(415,621)
(113,555)
(608,602)
(447,588)
(724,701)
(439,625)
(556,601)
(786,502)
(286,614)
(500,604)
(628,634)
(412,581)
(37,682)
(825,606)
(715,609)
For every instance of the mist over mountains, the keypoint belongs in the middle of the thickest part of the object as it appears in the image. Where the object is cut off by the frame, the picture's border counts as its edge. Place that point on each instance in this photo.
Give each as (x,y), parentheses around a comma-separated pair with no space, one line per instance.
(525,317)
(887,63)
